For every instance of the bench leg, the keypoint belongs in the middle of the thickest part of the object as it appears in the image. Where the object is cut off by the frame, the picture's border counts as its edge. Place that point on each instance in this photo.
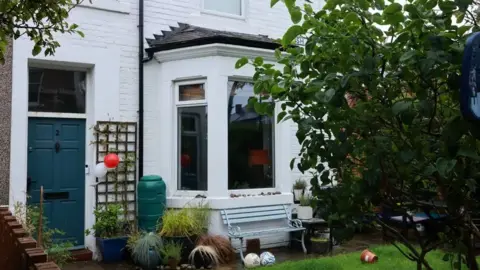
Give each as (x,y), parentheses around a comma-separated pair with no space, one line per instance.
(241,250)
(303,242)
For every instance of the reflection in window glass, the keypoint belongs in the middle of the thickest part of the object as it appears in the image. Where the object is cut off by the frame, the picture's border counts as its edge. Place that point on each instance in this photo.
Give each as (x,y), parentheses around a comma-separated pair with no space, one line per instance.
(52,90)
(226,6)
(192,145)
(191,92)
(250,141)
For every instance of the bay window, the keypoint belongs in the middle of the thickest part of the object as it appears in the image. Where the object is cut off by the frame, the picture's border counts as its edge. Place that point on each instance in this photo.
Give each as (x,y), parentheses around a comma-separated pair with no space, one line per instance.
(250,141)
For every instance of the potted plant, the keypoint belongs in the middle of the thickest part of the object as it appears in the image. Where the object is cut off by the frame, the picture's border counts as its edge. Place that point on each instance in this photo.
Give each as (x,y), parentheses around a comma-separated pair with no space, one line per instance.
(204,257)
(221,244)
(180,227)
(305,211)
(320,245)
(109,233)
(184,226)
(298,188)
(171,253)
(145,248)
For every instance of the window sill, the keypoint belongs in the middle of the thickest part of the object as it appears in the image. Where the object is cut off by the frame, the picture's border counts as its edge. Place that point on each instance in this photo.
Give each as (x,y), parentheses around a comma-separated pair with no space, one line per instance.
(218,203)
(225,15)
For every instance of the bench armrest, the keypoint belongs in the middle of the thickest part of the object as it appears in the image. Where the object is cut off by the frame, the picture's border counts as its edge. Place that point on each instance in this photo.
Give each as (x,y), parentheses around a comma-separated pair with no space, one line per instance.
(234,231)
(296,223)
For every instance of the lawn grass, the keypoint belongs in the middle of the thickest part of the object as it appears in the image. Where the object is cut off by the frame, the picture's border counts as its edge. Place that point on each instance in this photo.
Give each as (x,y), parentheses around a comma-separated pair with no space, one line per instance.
(388,258)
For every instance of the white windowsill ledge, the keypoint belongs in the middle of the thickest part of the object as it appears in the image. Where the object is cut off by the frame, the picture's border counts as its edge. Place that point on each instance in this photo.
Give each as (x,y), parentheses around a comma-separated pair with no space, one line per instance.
(218,203)
(107,5)
(223,14)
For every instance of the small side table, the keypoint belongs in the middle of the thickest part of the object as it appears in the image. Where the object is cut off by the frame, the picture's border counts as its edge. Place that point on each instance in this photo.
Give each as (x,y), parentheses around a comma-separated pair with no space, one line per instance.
(311,225)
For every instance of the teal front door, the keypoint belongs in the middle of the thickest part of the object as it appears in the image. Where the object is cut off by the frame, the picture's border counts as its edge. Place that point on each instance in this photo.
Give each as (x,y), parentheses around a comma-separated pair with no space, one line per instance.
(56,161)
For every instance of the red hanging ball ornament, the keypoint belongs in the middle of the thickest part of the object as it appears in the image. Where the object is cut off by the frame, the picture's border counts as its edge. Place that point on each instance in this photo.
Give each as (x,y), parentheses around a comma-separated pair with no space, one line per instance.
(185,160)
(111,161)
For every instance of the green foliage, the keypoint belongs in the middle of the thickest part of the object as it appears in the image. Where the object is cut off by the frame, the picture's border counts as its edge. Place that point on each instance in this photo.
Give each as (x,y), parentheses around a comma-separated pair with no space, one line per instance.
(141,244)
(375,95)
(191,220)
(305,200)
(300,184)
(107,222)
(38,20)
(29,217)
(389,258)
(171,250)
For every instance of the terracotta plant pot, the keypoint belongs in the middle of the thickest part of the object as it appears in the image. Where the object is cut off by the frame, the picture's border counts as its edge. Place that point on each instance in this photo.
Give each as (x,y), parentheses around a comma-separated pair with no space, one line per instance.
(368,257)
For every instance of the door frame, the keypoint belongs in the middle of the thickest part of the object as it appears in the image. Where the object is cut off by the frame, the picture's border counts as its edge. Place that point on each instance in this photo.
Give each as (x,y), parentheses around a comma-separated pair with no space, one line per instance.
(67,116)
(102,104)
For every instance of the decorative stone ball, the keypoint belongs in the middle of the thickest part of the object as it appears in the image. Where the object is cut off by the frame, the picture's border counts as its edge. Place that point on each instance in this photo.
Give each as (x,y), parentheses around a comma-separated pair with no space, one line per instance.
(252,260)
(267,258)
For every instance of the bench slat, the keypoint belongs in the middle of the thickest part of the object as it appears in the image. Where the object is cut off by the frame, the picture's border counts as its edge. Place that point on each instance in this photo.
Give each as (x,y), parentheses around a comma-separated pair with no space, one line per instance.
(254,219)
(232,218)
(269,231)
(253,209)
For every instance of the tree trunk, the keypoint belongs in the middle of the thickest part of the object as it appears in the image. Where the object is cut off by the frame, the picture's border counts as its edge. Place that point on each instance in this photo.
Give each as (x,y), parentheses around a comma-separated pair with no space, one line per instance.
(470,256)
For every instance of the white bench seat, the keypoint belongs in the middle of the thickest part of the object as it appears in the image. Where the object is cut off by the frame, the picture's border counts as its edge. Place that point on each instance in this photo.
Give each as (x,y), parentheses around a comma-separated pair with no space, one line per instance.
(234,217)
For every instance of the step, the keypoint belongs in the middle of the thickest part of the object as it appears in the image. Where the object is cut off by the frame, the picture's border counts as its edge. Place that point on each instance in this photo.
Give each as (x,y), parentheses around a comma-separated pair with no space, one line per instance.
(81,255)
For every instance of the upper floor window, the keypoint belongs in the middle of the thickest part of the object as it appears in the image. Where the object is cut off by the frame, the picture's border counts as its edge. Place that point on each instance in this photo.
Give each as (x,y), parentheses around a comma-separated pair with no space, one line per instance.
(54,90)
(232,7)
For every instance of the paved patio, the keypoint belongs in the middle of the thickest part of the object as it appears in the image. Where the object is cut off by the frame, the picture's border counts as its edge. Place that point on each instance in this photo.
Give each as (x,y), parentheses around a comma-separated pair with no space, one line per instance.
(359,242)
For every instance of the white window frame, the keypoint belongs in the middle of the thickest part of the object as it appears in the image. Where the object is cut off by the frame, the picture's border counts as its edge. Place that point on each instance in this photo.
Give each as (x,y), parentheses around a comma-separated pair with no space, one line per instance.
(226,14)
(184,104)
(55,66)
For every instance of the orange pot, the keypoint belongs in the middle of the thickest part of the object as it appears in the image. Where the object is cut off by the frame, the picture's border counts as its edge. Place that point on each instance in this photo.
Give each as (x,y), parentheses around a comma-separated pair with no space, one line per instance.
(368,257)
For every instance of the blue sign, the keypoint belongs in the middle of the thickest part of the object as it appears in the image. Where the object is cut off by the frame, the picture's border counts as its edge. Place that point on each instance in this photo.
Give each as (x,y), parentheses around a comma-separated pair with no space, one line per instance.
(470,86)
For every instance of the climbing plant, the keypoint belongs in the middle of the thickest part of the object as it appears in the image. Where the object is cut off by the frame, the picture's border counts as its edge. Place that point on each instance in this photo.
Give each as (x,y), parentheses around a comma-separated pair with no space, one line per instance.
(375,95)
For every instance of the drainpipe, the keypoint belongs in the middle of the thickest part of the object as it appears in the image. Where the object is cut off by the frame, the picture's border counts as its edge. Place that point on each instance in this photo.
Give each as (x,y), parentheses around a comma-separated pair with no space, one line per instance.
(141,60)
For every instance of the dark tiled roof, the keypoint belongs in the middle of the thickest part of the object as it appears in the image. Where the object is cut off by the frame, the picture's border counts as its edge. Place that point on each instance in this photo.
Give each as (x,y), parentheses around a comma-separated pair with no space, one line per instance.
(186,35)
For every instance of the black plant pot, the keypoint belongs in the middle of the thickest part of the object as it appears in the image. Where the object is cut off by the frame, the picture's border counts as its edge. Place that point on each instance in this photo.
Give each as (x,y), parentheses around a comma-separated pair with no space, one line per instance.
(319,247)
(188,244)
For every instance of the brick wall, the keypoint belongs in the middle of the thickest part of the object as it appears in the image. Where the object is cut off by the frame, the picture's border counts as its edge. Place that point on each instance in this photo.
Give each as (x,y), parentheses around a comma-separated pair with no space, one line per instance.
(5,118)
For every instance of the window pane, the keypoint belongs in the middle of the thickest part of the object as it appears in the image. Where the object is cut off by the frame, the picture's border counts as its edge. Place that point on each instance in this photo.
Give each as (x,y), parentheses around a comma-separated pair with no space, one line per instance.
(250,141)
(226,6)
(192,145)
(52,90)
(191,92)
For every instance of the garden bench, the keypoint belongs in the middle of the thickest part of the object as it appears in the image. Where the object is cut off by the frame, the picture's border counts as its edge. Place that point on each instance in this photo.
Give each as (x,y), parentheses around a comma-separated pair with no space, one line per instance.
(234,217)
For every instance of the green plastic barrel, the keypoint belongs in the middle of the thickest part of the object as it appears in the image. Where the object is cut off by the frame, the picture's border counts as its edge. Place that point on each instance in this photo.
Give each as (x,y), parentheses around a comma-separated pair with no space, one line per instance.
(152,199)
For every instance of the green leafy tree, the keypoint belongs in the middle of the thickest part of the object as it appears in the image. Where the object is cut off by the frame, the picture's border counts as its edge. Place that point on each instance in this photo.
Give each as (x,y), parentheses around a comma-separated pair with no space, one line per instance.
(39,20)
(375,95)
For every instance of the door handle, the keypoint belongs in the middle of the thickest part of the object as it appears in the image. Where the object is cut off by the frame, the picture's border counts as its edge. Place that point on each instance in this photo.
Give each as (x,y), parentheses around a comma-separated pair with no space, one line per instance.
(57,147)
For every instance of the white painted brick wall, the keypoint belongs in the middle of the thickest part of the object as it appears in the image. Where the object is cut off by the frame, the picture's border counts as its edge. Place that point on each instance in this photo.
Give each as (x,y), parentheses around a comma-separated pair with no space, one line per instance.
(117,29)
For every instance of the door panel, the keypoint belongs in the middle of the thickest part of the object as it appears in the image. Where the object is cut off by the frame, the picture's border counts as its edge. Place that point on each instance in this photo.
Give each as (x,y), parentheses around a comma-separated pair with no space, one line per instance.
(60,170)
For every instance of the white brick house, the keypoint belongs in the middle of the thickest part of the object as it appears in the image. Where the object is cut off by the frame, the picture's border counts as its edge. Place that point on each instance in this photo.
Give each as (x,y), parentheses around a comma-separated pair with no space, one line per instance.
(104,69)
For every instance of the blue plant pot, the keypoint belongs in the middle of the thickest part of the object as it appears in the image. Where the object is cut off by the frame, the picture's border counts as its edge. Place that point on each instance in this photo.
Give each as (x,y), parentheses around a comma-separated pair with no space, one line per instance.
(111,248)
